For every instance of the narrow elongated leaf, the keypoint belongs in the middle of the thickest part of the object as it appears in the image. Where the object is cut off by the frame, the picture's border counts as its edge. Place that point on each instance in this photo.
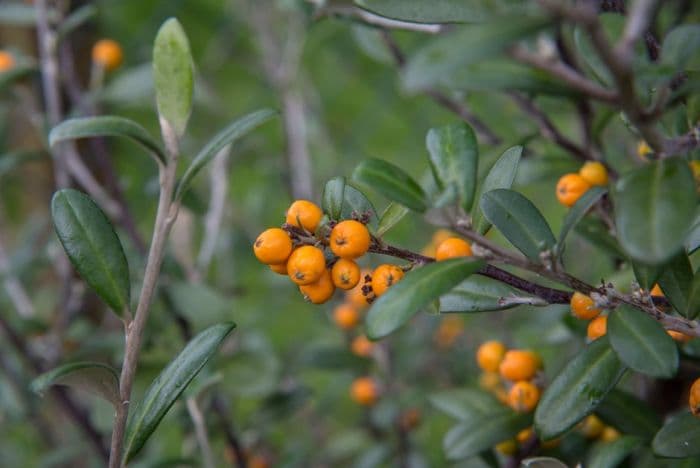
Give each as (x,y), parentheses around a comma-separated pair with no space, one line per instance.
(654,209)
(611,454)
(468,439)
(578,211)
(519,221)
(93,247)
(641,343)
(468,44)
(454,155)
(435,11)
(676,282)
(106,125)
(542,462)
(173,75)
(168,386)
(415,291)
(94,377)
(392,182)
(629,414)
(679,437)
(228,135)
(501,176)
(355,204)
(578,389)
(482,294)
(390,217)
(332,200)
(465,404)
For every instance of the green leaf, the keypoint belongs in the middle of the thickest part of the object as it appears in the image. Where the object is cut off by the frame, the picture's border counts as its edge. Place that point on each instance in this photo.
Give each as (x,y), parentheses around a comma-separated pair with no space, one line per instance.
(468,439)
(465,404)
(612,23)
(332,200)
(168,386)
(390,217)
(611,454)
(93,247)
(17,14)
(454,156)
(519,221)
(466,45)
(680,46)
(415,291)
(107,125)
(228,135)
(355,203)
(677,281)
(629,414)
(679,437)
(578,389)
(173,75)
(14,74)
(646,276)
(392,182)
(578,211)
(435,11)
(76,19)
(654,209)
(482,294)
(94,377)
(542,462)
(641,343)
(692,242)
(501,176)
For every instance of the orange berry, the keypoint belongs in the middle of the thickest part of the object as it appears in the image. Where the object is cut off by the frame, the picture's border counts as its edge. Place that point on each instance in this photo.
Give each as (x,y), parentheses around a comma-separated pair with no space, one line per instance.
(523,396)
(258,461)
(273,246)
(306,265)
(356,296)
(694,398)
(656,291)
(304,214)
(583,307)
(345,273)
(597,327)
(695,169)
(678,336)
(452,248)
(451,328)
(346,316)
(410,419)
(319,291)
(279,268)
(385,276)
(570,188)
(519,364)
(594,172)
(364,390)
(489,355)
(592,427)
(609,434)
(362,346)
(507,447)
(350,239)
(7,61)
(643,150)
(108,54)
(490,381)
(524,435)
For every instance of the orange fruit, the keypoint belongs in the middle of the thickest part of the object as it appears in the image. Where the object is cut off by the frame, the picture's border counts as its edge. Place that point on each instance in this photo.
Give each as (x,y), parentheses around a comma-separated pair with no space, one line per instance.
(345,273)
(694,398)
(592,427)
(519,364)
(319,291)
(643,150)
(350,239)
(570,188)
(583,307)
(364,390)
(507,447)
(451,328)
(385,276)
(304,214)
(273,246)
(279,268)
(108,54)
(346,316)
(609,434)
(7,61)
(524,435)
(258,461)
(452,248)
(489,355)
(594,172)
(490,381)
(362,346)
(306,265)
(678,336)
(656,291)
(523,396)
(597,327)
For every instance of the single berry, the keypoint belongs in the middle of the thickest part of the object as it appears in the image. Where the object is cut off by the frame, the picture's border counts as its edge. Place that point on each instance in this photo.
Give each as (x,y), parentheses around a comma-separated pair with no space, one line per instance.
(597,327)
(345,273)
(594,172)
(346,316)
(279,268)
(7,61)
(592,427)
(306,265)
(507,447)
(519,364)
(523,396)
(694,398)
(656,291)
(489,355)
(364,390)
(570,188)
(609,434)
(320,290)
(356,296)
(678,336)
(273,246)
(524,435)
(583,307)
(452,248)
(349,239)
(362,346)
(385,276)
(304,214)
(108,54)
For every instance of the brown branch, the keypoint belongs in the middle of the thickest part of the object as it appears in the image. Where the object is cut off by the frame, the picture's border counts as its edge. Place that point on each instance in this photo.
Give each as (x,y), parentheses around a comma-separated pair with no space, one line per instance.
(684,143)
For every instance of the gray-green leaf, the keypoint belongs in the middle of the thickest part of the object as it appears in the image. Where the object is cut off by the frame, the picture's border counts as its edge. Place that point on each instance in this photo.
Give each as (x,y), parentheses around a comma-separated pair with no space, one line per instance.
(467,439)
(679,437)
(679,284)
(94,377)
(392,182)
(482,294)
(611,454)
(390,217)
(578,211)
(332,200)
(500,176)
(629,414)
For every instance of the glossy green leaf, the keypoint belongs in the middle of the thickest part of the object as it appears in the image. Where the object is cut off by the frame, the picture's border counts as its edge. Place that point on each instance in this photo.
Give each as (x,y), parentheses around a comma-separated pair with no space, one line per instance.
(414,292)
(629,414)
(654,209)
(611,454)
(692,242)
(435,11)
(481,294)
(677,282)
(465,404)
(93,247)
(356,204)
(646,276)
(106,125)
(613,24)
(169,384)
(542,462)
(578,211)
(679,437)
(454,156)
(596,233)
(392,182)
(500,176)
(173,75)
(680,46)
(466,45)
(332,200)
(578,389)
(228,135)
(641,342)
(468,439)
(390,217)
(519,221)
(94,377)
(16,73)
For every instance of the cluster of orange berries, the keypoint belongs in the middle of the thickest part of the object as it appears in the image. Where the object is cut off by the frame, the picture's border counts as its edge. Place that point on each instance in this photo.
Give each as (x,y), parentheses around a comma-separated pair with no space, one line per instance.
(573,185)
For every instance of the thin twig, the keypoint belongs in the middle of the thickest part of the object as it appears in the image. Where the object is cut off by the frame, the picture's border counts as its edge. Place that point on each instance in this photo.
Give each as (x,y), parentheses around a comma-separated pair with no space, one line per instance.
(377,20)
(218,181)
(200,429)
